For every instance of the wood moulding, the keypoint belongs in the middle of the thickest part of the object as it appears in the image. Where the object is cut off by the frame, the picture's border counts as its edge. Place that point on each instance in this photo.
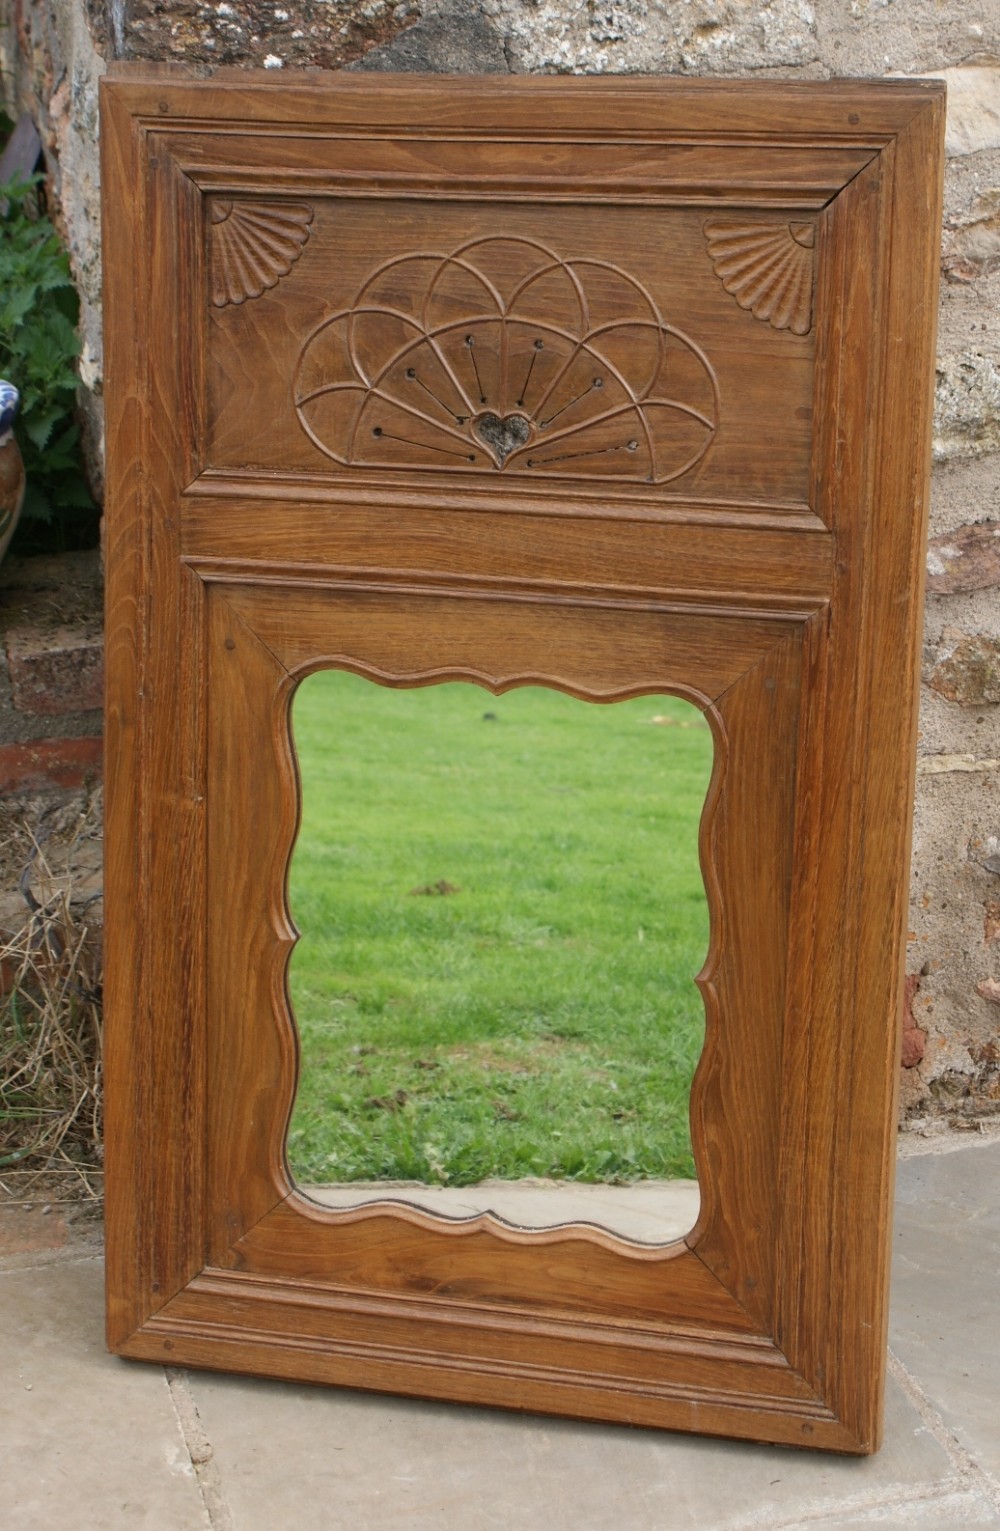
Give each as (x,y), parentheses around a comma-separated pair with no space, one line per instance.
(609,385)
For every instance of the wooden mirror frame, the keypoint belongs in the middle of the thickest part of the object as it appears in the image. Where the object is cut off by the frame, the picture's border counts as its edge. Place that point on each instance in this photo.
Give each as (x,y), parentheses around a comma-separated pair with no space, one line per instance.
(793,625)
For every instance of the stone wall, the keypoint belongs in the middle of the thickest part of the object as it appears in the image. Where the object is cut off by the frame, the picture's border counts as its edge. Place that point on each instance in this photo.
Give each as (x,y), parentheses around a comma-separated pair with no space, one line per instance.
(51,52)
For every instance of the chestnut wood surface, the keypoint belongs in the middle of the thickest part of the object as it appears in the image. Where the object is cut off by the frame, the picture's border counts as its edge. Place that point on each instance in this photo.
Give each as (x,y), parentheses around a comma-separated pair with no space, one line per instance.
(616,386)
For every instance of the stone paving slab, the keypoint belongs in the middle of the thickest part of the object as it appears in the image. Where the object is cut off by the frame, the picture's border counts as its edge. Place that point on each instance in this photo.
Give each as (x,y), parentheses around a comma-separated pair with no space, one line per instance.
(90,1443)
(286,1455)
(945,1307)
(964,1509)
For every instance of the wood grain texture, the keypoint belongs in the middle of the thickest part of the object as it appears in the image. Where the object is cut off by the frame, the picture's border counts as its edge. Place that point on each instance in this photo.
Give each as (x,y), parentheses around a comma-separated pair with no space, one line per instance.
(846,974)
(457,163)
(629,374)
(601,651)
(841,113)
(125,992)
(154,860)
(260,247)
(751,565)
(750,859)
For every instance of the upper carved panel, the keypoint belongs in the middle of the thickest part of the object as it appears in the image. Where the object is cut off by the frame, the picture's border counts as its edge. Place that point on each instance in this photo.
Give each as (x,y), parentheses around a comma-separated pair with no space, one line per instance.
(547,348)
(505,356)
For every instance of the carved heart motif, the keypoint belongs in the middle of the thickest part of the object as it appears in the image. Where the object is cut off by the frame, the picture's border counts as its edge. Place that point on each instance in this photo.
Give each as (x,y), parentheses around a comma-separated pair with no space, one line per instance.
(501,357)
(502,435)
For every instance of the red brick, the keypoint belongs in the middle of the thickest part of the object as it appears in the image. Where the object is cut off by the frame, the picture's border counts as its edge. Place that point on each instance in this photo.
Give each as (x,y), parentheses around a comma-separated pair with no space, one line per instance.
(49,763)
(914,1046)
(914,1038)
(30,1232)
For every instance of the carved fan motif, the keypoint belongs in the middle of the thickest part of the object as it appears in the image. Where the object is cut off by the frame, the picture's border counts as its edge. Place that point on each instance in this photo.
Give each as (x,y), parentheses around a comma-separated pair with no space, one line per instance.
(253,245)
(502,355)
(768,268)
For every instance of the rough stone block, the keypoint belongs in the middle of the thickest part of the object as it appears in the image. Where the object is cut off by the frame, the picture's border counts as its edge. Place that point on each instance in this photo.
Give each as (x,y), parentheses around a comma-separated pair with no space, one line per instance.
(968,670)
(260,32)
(973,107)
(947,765)
(456,39)
(655,36)
(972,243)
(991,922)
(55,670)
(966,559)
(966,406)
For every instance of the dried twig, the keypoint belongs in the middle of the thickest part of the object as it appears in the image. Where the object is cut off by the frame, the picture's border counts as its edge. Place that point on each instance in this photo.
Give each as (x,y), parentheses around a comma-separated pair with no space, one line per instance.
(50,1028)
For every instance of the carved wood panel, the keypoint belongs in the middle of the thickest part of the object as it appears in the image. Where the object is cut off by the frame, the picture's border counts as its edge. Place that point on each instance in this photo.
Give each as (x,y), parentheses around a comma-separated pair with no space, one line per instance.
(613,386)
(537,354)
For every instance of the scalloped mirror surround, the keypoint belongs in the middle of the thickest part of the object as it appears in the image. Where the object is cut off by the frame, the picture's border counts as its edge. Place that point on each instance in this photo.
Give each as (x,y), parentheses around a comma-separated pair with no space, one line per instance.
(502,913)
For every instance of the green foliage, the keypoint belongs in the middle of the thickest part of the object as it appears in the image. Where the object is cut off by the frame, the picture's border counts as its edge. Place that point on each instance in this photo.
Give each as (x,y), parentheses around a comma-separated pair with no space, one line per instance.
(502,913)
(39,346)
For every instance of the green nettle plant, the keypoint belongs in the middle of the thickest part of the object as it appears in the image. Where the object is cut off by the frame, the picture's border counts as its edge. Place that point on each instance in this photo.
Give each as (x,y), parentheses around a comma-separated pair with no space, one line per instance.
(39,346)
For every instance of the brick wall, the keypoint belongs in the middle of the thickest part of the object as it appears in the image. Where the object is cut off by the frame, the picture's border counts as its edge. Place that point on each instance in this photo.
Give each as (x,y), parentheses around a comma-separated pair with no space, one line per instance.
(51,672)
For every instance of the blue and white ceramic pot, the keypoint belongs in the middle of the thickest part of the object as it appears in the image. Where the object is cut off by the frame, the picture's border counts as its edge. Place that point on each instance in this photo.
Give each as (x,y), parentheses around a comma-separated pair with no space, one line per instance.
(11,466)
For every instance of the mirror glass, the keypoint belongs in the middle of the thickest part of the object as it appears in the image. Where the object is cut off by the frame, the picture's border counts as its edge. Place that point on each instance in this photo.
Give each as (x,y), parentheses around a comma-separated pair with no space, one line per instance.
(502,912)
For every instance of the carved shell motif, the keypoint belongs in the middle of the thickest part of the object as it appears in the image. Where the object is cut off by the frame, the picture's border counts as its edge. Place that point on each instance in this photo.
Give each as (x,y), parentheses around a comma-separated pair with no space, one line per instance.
(768,268)
(503,356)
(253,245)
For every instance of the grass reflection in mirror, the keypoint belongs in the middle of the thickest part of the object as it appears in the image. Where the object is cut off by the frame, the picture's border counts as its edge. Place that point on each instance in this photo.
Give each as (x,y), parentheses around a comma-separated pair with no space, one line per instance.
(502,912)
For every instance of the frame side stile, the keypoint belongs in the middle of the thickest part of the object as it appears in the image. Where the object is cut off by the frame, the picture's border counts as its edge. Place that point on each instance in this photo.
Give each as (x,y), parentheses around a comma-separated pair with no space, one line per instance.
(896,534)
(843,1046)
(192,660)
(126,557)
(821,1005)
(175,704)
(801,1312)
(156,1146)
